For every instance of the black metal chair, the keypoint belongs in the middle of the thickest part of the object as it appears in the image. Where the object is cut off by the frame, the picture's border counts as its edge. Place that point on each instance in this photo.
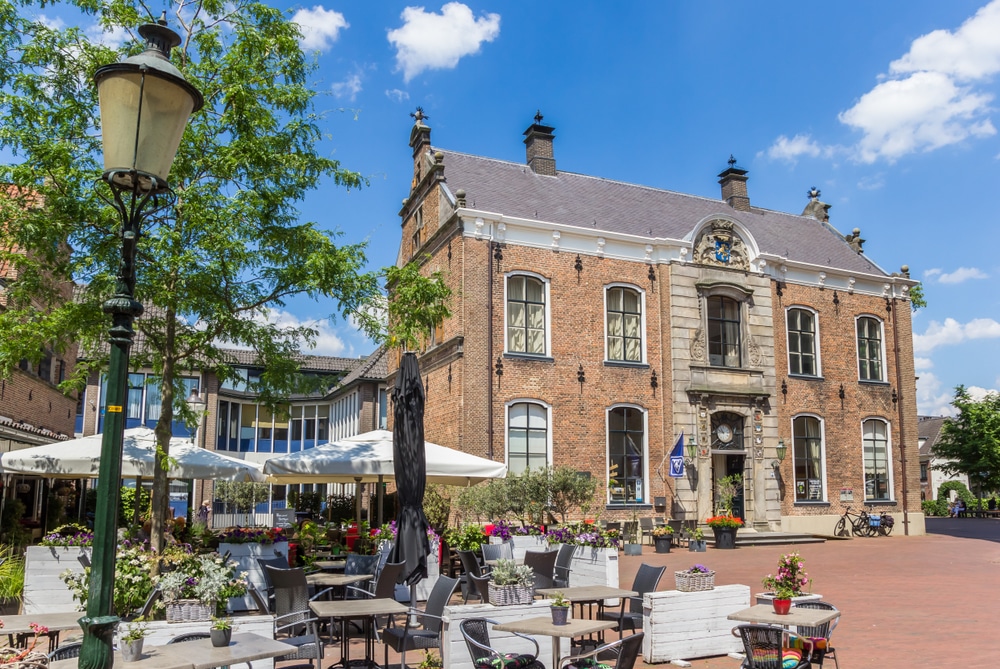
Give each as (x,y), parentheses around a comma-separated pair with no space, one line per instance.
(259,600)
(480,586)
(476,633)
(561,572)
(276,563)
(66,651)
(428,635)
(147,607)
(543,563)
(767,647)
(820,635)
(625,650)
(503,551)
(470,565)
(646,580)
(294,621)
(646,529)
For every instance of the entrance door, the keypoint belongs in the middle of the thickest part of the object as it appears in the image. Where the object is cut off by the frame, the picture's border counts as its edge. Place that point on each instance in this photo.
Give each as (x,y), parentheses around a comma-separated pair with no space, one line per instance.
(734,465)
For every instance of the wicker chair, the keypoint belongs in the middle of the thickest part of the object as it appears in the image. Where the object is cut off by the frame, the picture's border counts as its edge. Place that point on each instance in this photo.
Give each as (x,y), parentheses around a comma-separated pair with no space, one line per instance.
(276,563)
(294,621)
(766,647)
(560,576)
(504,551)
(476,633)
(543,563)
(820,635)
(646,580)
(66,651)
(428,635)
(626,650)
(646,529)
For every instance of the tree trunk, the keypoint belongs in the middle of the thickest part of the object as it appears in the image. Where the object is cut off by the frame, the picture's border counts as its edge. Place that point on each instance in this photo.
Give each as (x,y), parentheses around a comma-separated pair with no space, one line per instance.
(161,486)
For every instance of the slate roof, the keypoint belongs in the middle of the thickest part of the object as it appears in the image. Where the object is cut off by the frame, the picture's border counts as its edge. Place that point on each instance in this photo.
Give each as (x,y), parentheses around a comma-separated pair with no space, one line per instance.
(928,432)
(373,368)
(593,203)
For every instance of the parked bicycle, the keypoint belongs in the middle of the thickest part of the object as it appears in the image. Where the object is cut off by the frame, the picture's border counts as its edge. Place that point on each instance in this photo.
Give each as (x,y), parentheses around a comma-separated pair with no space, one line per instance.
(864,524)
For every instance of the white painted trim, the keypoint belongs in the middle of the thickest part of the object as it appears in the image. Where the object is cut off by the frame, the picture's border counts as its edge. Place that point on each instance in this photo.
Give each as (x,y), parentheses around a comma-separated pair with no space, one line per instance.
(642,320)
(546,285)
(816,343)
(822,457)
(646,497)
(888,454)
(857,352)
(506,427)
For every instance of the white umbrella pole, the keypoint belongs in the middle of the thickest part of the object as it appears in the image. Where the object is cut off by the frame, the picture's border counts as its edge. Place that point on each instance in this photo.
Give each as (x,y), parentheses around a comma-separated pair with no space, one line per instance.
(381,499)
(357,501)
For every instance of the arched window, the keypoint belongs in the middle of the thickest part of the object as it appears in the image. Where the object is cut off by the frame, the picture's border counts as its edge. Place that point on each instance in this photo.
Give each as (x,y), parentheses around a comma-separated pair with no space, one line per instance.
(527,436)
(807,451)
(624,324)
(870,349)
(803,358)
(526,315)
(878,467)
(626,455)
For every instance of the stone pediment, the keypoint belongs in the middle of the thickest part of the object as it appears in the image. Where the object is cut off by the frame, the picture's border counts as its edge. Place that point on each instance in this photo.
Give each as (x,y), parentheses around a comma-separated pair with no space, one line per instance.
(720,245)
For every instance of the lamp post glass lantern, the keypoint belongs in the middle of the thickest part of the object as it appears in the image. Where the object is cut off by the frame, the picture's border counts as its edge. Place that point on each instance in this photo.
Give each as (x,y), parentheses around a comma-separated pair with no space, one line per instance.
(145,104)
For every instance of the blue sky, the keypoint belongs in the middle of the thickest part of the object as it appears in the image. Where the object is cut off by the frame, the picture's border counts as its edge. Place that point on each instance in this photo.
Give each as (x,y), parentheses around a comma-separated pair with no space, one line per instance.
(888,107)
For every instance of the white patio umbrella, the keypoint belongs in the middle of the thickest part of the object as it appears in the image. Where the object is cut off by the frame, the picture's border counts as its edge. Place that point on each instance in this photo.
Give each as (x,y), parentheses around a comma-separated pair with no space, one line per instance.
(80,458)
(367,457)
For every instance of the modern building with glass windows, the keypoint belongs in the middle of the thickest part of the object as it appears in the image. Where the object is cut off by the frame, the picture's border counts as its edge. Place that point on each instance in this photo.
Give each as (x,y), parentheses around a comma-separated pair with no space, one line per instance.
(595,322)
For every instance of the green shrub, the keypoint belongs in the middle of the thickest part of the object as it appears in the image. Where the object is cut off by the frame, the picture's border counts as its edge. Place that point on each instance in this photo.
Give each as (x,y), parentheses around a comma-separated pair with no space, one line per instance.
(11,572)
(469,537)
(934,507)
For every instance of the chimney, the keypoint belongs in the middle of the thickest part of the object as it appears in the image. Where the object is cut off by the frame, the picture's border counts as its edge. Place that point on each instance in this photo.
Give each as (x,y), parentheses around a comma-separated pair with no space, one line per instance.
(816,209)
(538,142)
(420,135)
(734,186)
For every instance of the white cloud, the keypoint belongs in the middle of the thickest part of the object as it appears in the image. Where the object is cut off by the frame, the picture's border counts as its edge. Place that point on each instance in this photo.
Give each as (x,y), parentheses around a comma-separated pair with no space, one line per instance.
(930,400)
(923,363)
(971,52)
(320,27)
(953,332)
(348,88)
(979,394)
(790,149)
(51,22)
(872,182)
(932,272)
(428,41)
(114,38)
(397,95)
(963,274)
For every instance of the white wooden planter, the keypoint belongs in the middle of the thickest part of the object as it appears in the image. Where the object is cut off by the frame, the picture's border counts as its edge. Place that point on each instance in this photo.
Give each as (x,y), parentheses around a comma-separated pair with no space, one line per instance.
(593,566)
(766,597)
(688,625)
(245,556)
(454,652)
(44,591)
(160,632)
(523,544)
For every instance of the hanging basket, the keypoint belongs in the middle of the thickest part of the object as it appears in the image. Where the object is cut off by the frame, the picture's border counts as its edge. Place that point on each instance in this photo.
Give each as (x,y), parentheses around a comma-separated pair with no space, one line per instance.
(508,595)
(687,582)
(185,610)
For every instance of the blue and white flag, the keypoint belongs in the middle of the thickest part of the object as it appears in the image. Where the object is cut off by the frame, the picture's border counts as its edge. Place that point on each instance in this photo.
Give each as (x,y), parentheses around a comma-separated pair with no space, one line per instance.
(677,458)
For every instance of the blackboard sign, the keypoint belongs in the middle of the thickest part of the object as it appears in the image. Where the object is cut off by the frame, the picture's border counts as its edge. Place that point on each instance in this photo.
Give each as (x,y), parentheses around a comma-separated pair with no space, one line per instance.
(284,518)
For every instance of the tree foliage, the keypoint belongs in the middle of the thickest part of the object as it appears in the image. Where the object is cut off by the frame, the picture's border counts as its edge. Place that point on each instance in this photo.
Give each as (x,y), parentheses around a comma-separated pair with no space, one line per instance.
(570,489)
(970,442)
(232,248)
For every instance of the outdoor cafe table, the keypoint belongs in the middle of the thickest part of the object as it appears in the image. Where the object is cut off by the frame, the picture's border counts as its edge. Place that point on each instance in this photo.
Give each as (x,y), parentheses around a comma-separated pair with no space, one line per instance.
(798,616)
(352,609)
(56,622)
(328,580)
(199,654)
(587,596)
(330,565)
(543,625)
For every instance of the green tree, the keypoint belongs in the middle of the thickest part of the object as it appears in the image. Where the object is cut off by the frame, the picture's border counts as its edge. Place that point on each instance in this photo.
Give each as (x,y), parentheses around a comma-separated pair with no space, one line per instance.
(570,489)
(232,246)
(970,442)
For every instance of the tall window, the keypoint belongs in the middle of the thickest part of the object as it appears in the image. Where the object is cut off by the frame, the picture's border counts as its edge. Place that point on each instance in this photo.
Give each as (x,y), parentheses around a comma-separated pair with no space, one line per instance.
(626,455)
(723,331)
(527,437)
(624,307)
(875,447)
(807,438)
(525,315)
(802,343)
(870,349)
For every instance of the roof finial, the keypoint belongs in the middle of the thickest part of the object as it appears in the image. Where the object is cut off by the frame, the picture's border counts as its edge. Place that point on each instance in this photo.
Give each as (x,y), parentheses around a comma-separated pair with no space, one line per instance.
(732,161)
(814,193)
(538,116)
(419,115)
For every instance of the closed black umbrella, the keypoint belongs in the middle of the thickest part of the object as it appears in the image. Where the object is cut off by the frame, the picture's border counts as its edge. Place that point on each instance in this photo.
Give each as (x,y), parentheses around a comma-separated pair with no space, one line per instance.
(410,466)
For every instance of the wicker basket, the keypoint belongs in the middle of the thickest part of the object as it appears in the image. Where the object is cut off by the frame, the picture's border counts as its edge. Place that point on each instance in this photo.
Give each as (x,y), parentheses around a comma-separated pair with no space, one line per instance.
(508,595)
(688,582)
(184,610)
(33,660)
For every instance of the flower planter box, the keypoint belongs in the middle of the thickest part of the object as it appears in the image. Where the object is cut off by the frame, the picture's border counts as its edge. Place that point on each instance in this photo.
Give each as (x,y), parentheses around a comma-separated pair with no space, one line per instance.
(245,556)
(594,566)
(766,597)
(454,652)
(525,543)
(44,591)
(683,626)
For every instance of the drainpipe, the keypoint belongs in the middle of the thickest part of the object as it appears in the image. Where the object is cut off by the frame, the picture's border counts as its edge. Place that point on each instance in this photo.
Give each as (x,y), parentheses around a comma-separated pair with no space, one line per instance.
(489,352)
(899,414)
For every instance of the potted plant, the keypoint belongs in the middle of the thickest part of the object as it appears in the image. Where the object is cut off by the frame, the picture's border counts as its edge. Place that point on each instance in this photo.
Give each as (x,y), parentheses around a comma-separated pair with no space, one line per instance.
(782,602)
(221,632)
(663,536)
(725,527)
(511,583)
(430,661)
(200,586)
(696,540)
(130,641)
(560,609)
(694,579)
(11,580)
(789,582)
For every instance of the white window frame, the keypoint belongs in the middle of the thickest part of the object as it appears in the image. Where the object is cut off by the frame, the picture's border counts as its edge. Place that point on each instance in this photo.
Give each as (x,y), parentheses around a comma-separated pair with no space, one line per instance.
(857,349)
(548,313)
(548,427)
(888,454)
(816,347)
(646,496)
(642,323)
(822,459)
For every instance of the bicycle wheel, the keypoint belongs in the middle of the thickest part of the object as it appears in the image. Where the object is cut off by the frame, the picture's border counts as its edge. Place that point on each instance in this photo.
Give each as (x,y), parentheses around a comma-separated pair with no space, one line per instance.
(841,529)
(859,527)
(885,529)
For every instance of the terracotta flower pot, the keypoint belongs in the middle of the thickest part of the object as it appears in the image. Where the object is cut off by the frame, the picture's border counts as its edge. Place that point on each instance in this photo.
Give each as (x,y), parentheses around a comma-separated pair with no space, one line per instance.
(781,606)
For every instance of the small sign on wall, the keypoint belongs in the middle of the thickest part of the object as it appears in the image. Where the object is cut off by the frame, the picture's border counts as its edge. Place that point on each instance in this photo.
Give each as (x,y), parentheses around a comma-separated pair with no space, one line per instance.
(846,494)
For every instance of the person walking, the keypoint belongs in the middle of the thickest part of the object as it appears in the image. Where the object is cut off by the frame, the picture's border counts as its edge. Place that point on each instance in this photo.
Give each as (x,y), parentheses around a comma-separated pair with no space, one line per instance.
(203,512)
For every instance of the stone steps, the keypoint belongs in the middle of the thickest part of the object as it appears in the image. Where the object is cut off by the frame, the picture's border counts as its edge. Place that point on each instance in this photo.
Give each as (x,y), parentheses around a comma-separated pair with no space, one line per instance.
(771,539)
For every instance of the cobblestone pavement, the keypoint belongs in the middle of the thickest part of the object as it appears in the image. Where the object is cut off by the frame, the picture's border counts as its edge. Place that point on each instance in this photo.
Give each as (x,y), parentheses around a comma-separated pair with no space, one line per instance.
(927,601)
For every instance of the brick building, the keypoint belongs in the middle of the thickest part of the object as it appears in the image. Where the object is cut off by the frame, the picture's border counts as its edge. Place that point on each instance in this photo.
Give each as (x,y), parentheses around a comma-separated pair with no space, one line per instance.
(596,321)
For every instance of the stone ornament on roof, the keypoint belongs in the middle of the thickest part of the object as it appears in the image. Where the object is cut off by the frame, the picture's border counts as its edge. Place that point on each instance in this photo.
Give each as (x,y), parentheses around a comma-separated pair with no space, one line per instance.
(719,245)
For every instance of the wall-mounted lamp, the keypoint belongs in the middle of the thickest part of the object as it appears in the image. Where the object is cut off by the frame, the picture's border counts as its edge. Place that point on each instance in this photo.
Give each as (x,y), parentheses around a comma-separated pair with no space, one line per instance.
(780,450)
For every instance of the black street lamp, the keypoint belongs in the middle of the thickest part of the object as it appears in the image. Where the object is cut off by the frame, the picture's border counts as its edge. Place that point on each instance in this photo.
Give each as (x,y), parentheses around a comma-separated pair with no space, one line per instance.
(145,104)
